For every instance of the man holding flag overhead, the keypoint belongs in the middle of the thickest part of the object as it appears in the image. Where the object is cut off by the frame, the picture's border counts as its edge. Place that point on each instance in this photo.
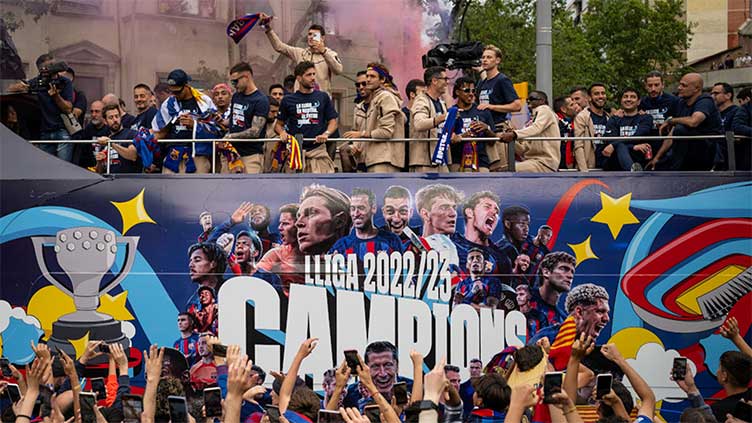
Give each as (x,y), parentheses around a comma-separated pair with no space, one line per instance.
(186,115)
(325,60)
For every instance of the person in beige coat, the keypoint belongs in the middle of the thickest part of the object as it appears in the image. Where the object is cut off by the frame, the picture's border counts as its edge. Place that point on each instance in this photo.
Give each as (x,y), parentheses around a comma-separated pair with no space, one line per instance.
(325,60)
(351,154)
(427,117)
(537,156)
(384,121)
(584,126)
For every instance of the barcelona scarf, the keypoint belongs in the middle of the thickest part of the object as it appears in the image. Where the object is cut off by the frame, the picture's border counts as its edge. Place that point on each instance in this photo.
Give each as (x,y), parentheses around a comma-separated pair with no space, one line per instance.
(279,156)
(232,156)
(146,146)
(238,28)
(177,154)
(296,155)
(442,147)
(470,156)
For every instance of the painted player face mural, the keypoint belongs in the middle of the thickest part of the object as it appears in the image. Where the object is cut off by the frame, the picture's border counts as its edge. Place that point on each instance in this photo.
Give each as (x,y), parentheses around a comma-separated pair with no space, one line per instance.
(397,213)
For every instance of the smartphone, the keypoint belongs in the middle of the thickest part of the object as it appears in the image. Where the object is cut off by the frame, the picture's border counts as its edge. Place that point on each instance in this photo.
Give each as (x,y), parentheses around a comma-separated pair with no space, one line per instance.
(351,357)
(104,348)
(5,364)
(14,393)
(399,390)
(603,385)
(133,406)
(58,370)
(273,412)
(178,409)
(372,412)
(88,401)
(219,350)
(743,411)
(552,385)
(679,370)
(329,416)
(97,386)
(316,36)
(213,402)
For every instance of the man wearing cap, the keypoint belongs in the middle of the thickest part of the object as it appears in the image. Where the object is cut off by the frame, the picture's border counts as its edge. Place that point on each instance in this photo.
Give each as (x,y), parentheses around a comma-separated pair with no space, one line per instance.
(248,115)
(325,60)
(185,115)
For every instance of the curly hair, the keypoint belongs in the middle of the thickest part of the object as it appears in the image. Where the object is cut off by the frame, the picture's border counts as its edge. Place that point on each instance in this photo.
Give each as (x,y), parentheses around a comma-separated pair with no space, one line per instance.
(550,260)
(586,294)
(167,386)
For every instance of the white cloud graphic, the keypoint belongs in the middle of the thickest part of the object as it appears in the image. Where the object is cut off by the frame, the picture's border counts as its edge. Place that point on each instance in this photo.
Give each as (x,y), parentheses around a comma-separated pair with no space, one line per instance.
(6,312)
(654,364)
(5,309)
(129,330)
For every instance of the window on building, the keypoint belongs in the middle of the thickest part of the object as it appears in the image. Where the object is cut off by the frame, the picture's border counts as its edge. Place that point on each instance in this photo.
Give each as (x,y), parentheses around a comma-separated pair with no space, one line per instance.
(195,8)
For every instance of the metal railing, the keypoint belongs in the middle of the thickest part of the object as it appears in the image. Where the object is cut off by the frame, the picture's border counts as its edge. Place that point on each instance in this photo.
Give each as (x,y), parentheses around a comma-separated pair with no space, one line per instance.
(729,137)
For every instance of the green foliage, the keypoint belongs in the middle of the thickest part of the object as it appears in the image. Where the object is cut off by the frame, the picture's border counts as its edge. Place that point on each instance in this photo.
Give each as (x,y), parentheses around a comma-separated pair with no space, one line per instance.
(617,42)
(34,8)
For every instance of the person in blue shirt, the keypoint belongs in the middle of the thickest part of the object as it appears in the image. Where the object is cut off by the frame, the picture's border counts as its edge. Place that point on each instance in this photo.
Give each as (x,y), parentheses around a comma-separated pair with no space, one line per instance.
(492,397)
(516,239)
(310,113)
(742,125)
(556,276)
(723,95)
(142,96)
(123,156)
(467,155)
(188,341)
(658,104)
(622,154)
(473,290)
(697,115)
(466,388)
(365,237)
(496,94)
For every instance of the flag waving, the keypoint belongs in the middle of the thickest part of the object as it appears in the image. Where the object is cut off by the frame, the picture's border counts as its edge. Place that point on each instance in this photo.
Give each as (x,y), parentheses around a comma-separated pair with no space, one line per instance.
(241,26)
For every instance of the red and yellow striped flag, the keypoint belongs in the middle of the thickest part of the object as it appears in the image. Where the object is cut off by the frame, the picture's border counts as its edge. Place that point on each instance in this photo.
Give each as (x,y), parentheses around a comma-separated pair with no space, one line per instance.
(561,348)
(296,155)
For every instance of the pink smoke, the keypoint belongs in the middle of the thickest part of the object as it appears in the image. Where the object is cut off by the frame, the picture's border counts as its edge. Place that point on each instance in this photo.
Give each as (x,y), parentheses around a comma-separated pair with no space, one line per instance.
(396,25)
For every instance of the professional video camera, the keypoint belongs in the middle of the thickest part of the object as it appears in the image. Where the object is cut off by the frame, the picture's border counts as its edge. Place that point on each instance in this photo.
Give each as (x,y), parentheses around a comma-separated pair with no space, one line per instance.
(454,56)
(47,78)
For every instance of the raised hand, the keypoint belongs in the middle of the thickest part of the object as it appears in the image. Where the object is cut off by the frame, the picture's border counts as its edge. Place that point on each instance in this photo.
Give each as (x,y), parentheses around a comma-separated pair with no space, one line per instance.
(154,359)
(241,212)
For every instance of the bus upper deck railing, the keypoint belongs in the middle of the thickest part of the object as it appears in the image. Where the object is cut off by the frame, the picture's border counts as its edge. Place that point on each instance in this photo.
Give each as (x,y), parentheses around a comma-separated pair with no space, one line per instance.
(729,138)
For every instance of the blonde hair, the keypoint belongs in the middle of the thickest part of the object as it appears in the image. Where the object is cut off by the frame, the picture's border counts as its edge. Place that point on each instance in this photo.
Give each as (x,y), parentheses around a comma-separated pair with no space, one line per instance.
(493,48)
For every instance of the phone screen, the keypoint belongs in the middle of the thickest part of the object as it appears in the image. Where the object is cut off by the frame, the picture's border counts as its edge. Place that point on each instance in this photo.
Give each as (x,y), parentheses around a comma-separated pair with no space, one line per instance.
(742,411)
(603,385)
(351,357)
(317,36)
(88,401)
(400,393)
(679,371)
(14,393)
(273,412)
(178,409)
(373,413)
(328,416)
(213,402)
(97,386)
(5,364)
(133,406)
(552,385)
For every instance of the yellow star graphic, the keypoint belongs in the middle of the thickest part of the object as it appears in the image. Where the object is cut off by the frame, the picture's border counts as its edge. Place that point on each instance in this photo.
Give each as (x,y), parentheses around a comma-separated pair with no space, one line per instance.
(80,344)
(615,213)
(133,212)
(115,306)
(583,251)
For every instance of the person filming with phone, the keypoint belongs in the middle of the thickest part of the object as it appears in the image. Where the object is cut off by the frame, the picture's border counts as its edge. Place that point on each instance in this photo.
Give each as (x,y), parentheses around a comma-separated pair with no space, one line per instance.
(325,60)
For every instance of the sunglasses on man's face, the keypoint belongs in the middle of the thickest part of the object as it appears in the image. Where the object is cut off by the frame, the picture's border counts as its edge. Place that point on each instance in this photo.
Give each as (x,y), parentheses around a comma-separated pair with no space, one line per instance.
(360,84)
(468,90)
(534,99)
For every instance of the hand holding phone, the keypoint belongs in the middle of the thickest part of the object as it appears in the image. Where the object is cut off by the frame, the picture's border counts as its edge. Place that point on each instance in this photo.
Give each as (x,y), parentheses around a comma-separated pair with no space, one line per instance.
(399,390)
(87,401)
(351,357)
(329,416)
(178,409)
(213,402)
(552,385)
(679,369)
(133,406)
(5,364)
(273,412)
(603,385)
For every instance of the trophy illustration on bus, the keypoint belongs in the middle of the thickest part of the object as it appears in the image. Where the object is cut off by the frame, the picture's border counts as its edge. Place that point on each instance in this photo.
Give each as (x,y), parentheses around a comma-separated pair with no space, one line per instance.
(85,255)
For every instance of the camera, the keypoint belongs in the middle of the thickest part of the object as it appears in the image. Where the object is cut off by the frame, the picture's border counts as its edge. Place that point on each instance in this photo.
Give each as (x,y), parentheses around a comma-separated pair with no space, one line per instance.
(454,56)
(47,78)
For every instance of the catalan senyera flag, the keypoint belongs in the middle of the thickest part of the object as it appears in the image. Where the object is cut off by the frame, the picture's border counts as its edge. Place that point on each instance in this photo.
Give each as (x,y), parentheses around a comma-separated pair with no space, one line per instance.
(296,155)
(561,348)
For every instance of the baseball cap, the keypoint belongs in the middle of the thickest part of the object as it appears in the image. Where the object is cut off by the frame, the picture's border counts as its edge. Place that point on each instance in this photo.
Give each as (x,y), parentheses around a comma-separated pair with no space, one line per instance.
(178,77)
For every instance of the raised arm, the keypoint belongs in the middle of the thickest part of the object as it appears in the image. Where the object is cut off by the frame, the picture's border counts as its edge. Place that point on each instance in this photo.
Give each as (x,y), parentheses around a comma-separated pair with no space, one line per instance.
(285,392)
(417,392)
(647,407)
(341,376)
(730,331)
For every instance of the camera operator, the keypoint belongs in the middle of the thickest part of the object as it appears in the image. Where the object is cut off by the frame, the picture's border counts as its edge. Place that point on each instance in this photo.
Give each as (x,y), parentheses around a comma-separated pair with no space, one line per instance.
(55,95)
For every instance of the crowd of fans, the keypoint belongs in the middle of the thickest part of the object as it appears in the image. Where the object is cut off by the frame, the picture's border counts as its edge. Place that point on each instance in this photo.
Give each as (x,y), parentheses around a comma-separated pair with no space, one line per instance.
(302,108)
(523,386)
